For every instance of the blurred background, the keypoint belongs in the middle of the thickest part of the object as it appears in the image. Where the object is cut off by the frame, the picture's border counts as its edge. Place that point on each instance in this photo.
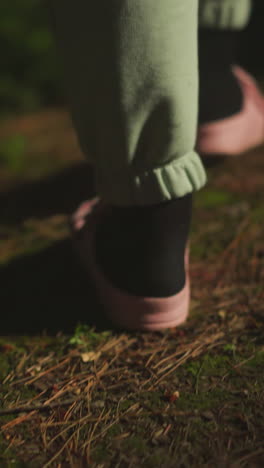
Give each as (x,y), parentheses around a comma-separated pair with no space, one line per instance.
(29,67)
(29,77)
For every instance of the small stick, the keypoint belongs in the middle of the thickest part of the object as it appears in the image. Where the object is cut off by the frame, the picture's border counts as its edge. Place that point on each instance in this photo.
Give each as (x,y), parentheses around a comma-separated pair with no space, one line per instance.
(27,409)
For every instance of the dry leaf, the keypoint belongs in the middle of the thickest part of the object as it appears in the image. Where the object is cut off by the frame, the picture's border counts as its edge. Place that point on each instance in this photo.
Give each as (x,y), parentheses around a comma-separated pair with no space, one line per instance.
(90,356)
(222,314)
(158,433)
(171,397)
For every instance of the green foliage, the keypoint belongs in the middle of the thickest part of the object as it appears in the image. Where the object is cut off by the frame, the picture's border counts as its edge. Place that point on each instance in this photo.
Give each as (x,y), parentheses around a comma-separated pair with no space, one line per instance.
(29,73)
(85,334)
(12,152)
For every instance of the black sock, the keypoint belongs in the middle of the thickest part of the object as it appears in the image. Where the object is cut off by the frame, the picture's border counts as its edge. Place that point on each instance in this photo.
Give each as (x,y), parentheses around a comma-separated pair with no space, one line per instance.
(141,249)
(220,95)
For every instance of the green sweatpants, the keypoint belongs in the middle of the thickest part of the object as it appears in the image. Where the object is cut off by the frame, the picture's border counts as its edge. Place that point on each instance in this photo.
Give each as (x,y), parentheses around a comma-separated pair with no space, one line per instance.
(131,77)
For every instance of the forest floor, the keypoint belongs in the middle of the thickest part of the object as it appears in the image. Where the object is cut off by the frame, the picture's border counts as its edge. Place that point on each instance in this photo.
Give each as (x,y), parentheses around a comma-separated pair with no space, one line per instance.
(76,392)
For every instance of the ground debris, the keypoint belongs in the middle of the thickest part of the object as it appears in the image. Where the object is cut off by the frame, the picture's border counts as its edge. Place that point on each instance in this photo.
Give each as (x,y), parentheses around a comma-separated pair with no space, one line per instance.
(108,398)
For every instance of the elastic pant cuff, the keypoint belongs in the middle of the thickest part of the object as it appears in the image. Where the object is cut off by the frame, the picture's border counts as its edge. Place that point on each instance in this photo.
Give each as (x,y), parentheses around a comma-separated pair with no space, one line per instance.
(176,179)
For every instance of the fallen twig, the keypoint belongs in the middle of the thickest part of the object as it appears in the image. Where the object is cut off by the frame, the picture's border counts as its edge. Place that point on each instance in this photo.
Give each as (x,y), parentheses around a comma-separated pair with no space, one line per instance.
(44,407)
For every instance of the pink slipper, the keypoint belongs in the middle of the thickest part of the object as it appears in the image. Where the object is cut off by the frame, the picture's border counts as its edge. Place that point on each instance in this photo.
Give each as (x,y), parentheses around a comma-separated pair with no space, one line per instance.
(125,310)
(241,132)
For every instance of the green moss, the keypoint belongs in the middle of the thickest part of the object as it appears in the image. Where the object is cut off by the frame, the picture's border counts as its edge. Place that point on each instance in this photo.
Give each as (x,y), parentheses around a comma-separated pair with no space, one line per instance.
(135,443)
(207,400)
(14,157)
(257,361)
(114,430)
(99,454)
(25,394)
(210,365)
(210,198)
(216,366)
(124,405)
(198,250)
(4,366)
(257,214)
(7,455)
(197,437)
(13,153)
(160,457)
(211,241)
(153,399)
(85,335)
